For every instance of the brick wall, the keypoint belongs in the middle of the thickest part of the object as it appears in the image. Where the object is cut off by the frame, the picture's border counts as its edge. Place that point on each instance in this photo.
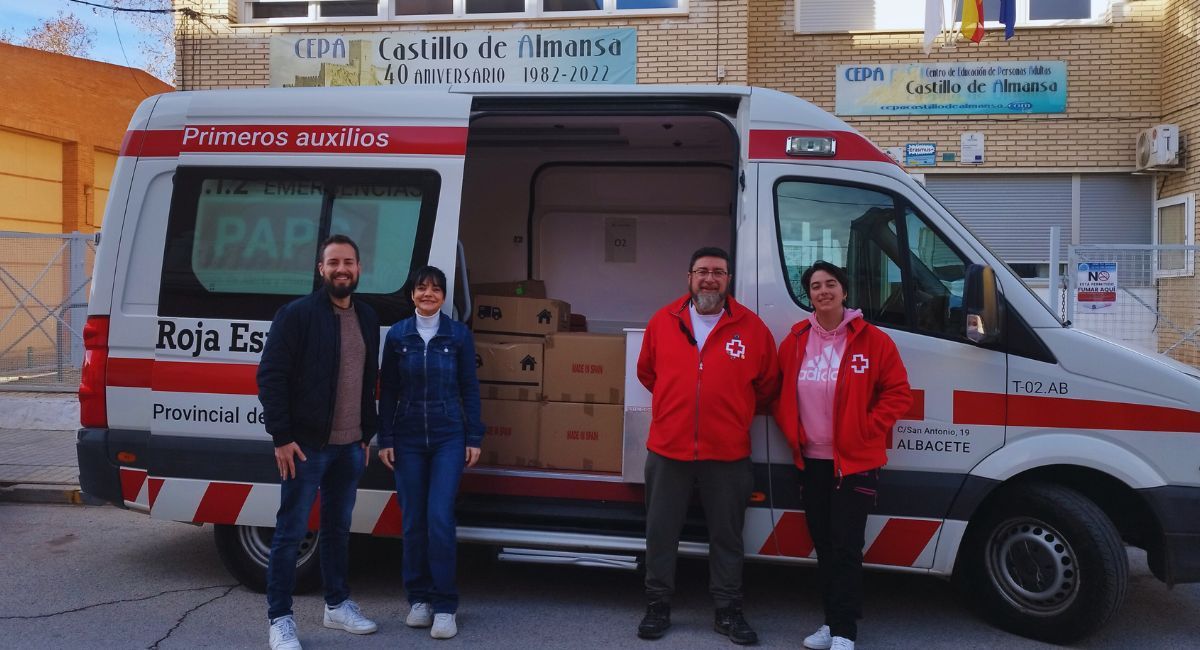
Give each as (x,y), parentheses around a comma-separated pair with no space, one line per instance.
(1113,70)
(1181,105)
(213,53)
(1112,84)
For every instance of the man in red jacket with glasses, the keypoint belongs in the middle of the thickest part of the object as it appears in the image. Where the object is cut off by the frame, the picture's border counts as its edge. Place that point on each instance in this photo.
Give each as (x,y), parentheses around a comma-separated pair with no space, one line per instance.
(710,364)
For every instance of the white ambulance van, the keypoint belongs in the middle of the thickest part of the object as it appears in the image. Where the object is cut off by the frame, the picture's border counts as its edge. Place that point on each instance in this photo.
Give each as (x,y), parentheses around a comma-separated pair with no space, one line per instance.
(1032,455)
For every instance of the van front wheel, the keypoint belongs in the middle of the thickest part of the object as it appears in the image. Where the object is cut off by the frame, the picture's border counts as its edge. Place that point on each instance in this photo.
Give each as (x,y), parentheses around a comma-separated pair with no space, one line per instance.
(245,550)
(1046,563)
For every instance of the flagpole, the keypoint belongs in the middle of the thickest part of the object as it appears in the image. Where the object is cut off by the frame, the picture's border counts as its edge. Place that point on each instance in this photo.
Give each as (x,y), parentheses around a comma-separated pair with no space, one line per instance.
(950,40)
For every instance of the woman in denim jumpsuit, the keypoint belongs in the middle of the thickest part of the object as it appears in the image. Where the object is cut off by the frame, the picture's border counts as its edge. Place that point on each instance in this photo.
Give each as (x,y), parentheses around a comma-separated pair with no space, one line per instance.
(430,429)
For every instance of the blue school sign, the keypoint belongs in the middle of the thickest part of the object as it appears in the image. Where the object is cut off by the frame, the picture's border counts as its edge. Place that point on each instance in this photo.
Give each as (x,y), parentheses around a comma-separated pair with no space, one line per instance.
(985,87)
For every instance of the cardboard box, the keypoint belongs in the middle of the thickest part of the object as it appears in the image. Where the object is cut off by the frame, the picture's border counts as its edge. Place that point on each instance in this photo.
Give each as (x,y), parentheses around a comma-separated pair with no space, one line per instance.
(585,368)
(508,367)
(511,433)
(521,288)
(581,436)
(511,315)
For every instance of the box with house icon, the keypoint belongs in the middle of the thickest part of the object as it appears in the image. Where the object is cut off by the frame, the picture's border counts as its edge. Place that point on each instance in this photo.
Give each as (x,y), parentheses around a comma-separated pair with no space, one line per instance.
(509,367)
(515,315)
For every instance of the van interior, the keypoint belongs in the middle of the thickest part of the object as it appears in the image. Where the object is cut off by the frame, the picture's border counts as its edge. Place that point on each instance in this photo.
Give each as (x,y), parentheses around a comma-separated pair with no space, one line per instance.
(605,204)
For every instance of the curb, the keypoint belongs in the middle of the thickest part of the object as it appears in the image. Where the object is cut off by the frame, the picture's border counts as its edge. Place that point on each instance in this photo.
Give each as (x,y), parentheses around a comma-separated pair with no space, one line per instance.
(41,493)
(49,411)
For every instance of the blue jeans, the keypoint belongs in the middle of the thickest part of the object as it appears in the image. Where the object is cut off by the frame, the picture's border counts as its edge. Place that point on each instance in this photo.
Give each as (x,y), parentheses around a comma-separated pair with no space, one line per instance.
(427,477)
(334,470)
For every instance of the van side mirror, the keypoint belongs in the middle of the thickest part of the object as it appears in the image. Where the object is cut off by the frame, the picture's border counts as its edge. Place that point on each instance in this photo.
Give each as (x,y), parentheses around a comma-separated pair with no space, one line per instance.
(982,304)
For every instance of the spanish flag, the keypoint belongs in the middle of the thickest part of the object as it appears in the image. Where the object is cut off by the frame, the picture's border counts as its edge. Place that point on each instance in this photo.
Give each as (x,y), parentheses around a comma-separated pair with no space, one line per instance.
(972,20)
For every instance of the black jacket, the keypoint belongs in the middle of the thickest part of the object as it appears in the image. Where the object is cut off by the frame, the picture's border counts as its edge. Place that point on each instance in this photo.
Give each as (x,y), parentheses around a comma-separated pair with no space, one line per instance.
(297,375)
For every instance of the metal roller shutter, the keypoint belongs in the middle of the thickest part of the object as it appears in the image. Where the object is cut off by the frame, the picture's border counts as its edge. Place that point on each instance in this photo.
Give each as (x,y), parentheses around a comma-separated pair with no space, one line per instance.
(1115,209)
(1011,213)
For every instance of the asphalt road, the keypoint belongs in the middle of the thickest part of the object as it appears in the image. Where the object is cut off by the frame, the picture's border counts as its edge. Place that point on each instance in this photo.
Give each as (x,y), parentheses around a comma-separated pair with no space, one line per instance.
(100,577)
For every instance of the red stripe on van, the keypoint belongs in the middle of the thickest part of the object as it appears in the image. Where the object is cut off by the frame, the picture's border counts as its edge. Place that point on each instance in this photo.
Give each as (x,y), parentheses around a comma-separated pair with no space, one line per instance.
(297,138)
(792,536)
(184,377)
(151,143)
(314,513)
(1068,413)
(389,523)
(131,482)
(770,144)
(222,503)
(901,541)
(916,411)
(155,485)
(218,378)
(980,408)
(129,373)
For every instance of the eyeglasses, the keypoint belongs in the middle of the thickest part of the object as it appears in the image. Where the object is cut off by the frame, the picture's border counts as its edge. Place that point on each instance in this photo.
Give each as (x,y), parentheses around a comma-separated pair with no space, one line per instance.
(716,274)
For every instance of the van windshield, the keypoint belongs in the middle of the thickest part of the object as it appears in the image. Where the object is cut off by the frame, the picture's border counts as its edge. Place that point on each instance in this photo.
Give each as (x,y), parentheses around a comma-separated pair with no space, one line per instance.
(1061,317)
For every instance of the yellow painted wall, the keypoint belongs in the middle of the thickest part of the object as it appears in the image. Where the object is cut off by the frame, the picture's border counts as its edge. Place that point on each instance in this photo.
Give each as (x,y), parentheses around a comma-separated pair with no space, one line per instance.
(31,171)
(62,118)
(104,162)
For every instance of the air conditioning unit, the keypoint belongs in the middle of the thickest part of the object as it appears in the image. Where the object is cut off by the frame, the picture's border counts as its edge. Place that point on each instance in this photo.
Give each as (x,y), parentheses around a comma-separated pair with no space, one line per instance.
(1158,148)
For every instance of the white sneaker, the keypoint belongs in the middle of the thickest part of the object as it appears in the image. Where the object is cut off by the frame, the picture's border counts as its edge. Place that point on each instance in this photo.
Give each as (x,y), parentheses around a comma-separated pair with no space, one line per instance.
(819,640)
(283,634)
(842,643)
(419,615)
(444,626)
(349,617)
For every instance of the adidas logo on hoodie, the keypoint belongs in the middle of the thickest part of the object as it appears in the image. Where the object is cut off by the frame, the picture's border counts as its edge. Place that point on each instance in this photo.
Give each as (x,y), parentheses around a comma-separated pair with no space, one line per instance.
(823,368)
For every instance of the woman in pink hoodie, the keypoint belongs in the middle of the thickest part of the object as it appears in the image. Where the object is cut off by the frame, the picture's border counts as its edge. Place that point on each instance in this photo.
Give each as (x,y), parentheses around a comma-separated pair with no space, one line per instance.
(844,387)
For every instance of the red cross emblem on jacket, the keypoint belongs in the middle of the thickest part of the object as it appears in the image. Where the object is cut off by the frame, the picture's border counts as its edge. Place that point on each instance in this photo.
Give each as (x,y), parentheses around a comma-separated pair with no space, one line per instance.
(736,349)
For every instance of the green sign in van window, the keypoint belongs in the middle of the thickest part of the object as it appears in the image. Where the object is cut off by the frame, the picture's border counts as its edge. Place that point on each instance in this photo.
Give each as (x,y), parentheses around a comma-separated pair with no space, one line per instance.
(382,220)
(257,236)
(261,236)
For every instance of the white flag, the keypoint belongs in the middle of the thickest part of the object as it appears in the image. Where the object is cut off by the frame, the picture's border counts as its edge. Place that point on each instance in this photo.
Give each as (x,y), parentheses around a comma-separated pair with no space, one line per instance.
(934,21)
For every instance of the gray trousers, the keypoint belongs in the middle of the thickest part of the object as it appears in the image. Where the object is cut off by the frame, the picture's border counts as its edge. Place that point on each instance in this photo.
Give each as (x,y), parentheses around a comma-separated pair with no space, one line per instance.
(725,488)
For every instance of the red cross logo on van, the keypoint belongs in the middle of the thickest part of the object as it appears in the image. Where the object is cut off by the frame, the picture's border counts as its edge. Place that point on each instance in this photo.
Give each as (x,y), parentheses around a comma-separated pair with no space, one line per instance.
(859,363)
(735,348)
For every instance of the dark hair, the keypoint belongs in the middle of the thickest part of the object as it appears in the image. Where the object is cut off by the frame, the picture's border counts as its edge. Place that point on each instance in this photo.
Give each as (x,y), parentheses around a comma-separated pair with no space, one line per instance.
(836,271)
(427,274)
(708,251)
(337,239)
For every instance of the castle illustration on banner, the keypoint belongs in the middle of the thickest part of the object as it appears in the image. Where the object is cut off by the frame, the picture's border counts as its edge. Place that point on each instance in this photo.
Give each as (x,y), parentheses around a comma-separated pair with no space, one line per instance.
(359,71)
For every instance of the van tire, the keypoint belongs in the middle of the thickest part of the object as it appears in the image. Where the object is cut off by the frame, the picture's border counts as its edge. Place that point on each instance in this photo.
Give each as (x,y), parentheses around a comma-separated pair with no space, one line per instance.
(244,551)
(1067,541)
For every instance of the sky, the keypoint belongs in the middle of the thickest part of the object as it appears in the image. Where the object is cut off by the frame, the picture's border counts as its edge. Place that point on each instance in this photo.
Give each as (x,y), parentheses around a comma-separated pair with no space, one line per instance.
(20,15)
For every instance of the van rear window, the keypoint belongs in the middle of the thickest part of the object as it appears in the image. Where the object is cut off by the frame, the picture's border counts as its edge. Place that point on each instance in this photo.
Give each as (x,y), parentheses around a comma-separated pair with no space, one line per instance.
(242,243)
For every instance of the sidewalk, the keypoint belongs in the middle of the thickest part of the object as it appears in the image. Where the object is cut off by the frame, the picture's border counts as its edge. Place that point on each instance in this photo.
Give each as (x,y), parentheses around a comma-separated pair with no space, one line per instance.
(37,448)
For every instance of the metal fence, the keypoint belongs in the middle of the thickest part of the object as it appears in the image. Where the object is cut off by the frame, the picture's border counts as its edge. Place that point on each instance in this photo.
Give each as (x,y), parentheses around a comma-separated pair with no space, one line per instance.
(45,281)
(1144,297)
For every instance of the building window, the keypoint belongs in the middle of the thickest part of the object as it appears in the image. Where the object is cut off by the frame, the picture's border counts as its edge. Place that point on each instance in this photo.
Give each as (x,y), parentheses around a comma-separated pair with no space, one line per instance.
(840,16)
(1175,224)
(324,11)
